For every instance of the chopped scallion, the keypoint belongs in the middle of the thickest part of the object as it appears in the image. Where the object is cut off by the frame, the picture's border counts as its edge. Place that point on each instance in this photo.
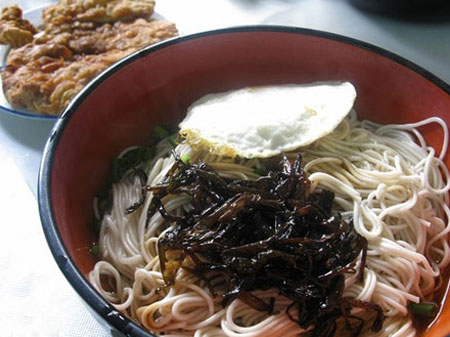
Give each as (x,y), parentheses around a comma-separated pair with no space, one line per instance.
(148,166)
(172,141)
(131,159)
(97,225)
(160,132)
(115,170)
(95,249)
(185,159)
(424,309)
(259,171)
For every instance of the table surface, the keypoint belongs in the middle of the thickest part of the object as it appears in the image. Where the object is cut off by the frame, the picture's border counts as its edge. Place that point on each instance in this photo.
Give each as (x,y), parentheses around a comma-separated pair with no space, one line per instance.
(37,300)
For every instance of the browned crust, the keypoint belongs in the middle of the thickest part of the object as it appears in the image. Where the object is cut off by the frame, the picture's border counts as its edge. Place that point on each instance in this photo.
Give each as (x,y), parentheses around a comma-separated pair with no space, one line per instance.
(43,75)
(15,31)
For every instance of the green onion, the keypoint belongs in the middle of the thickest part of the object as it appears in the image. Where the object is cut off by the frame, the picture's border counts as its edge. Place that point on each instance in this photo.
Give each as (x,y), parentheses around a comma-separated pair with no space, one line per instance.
(131,159)
(172,141)
(137,155)
(97,225)
(185,159)
(103,204)
(160,132)
(115,170)
(95,249)
(147,166)
(260,171)
(424,309)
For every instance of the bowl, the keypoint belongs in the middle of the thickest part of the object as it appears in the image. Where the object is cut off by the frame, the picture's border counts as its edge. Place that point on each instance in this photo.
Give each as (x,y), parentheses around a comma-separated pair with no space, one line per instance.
(155,85)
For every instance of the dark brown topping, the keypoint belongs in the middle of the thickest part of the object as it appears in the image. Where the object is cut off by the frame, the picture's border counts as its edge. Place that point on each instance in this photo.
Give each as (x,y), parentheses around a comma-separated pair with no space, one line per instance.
(270,233)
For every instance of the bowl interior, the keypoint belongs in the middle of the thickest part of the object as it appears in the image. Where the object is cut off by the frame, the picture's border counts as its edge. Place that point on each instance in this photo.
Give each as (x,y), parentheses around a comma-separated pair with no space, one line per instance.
(157,85)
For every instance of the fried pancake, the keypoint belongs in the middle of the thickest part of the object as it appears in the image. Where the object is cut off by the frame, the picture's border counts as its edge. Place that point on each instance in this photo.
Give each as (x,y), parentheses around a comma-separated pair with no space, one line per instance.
(45,74)
(68,15)
(15,31)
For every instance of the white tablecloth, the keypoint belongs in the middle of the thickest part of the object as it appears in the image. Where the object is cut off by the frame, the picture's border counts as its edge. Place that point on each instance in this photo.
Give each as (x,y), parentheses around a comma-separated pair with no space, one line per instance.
(36,300)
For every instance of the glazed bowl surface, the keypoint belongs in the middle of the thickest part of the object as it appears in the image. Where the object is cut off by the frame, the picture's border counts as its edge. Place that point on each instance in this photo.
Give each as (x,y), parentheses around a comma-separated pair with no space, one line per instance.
(154,86)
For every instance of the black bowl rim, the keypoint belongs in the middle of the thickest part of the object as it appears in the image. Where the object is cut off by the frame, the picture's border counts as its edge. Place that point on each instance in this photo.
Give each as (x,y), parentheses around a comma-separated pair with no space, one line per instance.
(85,290)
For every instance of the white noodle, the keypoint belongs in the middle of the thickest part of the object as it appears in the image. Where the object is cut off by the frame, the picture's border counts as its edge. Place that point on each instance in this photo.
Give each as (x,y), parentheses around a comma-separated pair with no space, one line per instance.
(385,177)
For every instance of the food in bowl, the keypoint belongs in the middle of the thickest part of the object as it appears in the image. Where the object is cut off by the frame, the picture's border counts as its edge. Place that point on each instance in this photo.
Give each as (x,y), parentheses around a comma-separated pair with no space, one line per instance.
(79,39)
(346,234)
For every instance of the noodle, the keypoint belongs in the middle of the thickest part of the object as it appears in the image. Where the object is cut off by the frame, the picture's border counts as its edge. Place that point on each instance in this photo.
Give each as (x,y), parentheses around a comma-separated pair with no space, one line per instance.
(384,177)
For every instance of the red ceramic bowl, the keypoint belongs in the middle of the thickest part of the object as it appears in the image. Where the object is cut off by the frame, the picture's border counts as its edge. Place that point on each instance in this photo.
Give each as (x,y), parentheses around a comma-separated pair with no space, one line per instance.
(120,107)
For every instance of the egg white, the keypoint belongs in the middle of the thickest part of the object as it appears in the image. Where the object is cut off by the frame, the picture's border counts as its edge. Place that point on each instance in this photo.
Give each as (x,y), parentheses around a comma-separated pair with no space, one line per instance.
(261,122)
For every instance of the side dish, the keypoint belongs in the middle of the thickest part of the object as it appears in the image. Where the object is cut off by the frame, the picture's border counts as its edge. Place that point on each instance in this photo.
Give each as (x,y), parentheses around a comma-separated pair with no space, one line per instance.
(79,39)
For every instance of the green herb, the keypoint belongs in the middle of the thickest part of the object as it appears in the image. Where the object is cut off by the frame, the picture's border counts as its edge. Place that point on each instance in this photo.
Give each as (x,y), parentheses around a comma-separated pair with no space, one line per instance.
(119,166)
(139,158)
(260,171)
(423,309)
(95,249)
(148,167)
(185,159)
(160,132)
(131,159)
(115,170)
(97,225)
(103,203)
(173,141)
(138,155)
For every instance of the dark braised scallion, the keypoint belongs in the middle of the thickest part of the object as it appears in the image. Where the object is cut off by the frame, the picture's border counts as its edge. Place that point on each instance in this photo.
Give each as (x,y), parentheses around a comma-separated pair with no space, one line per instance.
(269,233)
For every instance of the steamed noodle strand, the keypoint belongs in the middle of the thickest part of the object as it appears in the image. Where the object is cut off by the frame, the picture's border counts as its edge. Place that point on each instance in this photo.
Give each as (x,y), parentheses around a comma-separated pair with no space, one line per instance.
(384,177)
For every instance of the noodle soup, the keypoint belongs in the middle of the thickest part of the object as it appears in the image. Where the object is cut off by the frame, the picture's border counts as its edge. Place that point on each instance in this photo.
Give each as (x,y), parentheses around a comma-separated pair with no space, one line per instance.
(387,185)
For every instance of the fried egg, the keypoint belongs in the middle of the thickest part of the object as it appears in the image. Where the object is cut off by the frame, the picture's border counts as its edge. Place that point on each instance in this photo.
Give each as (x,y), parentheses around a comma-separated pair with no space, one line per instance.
(261,122)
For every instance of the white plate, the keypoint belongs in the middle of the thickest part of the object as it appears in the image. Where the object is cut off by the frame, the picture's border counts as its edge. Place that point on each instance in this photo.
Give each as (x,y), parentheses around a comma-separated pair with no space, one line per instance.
(34,16)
